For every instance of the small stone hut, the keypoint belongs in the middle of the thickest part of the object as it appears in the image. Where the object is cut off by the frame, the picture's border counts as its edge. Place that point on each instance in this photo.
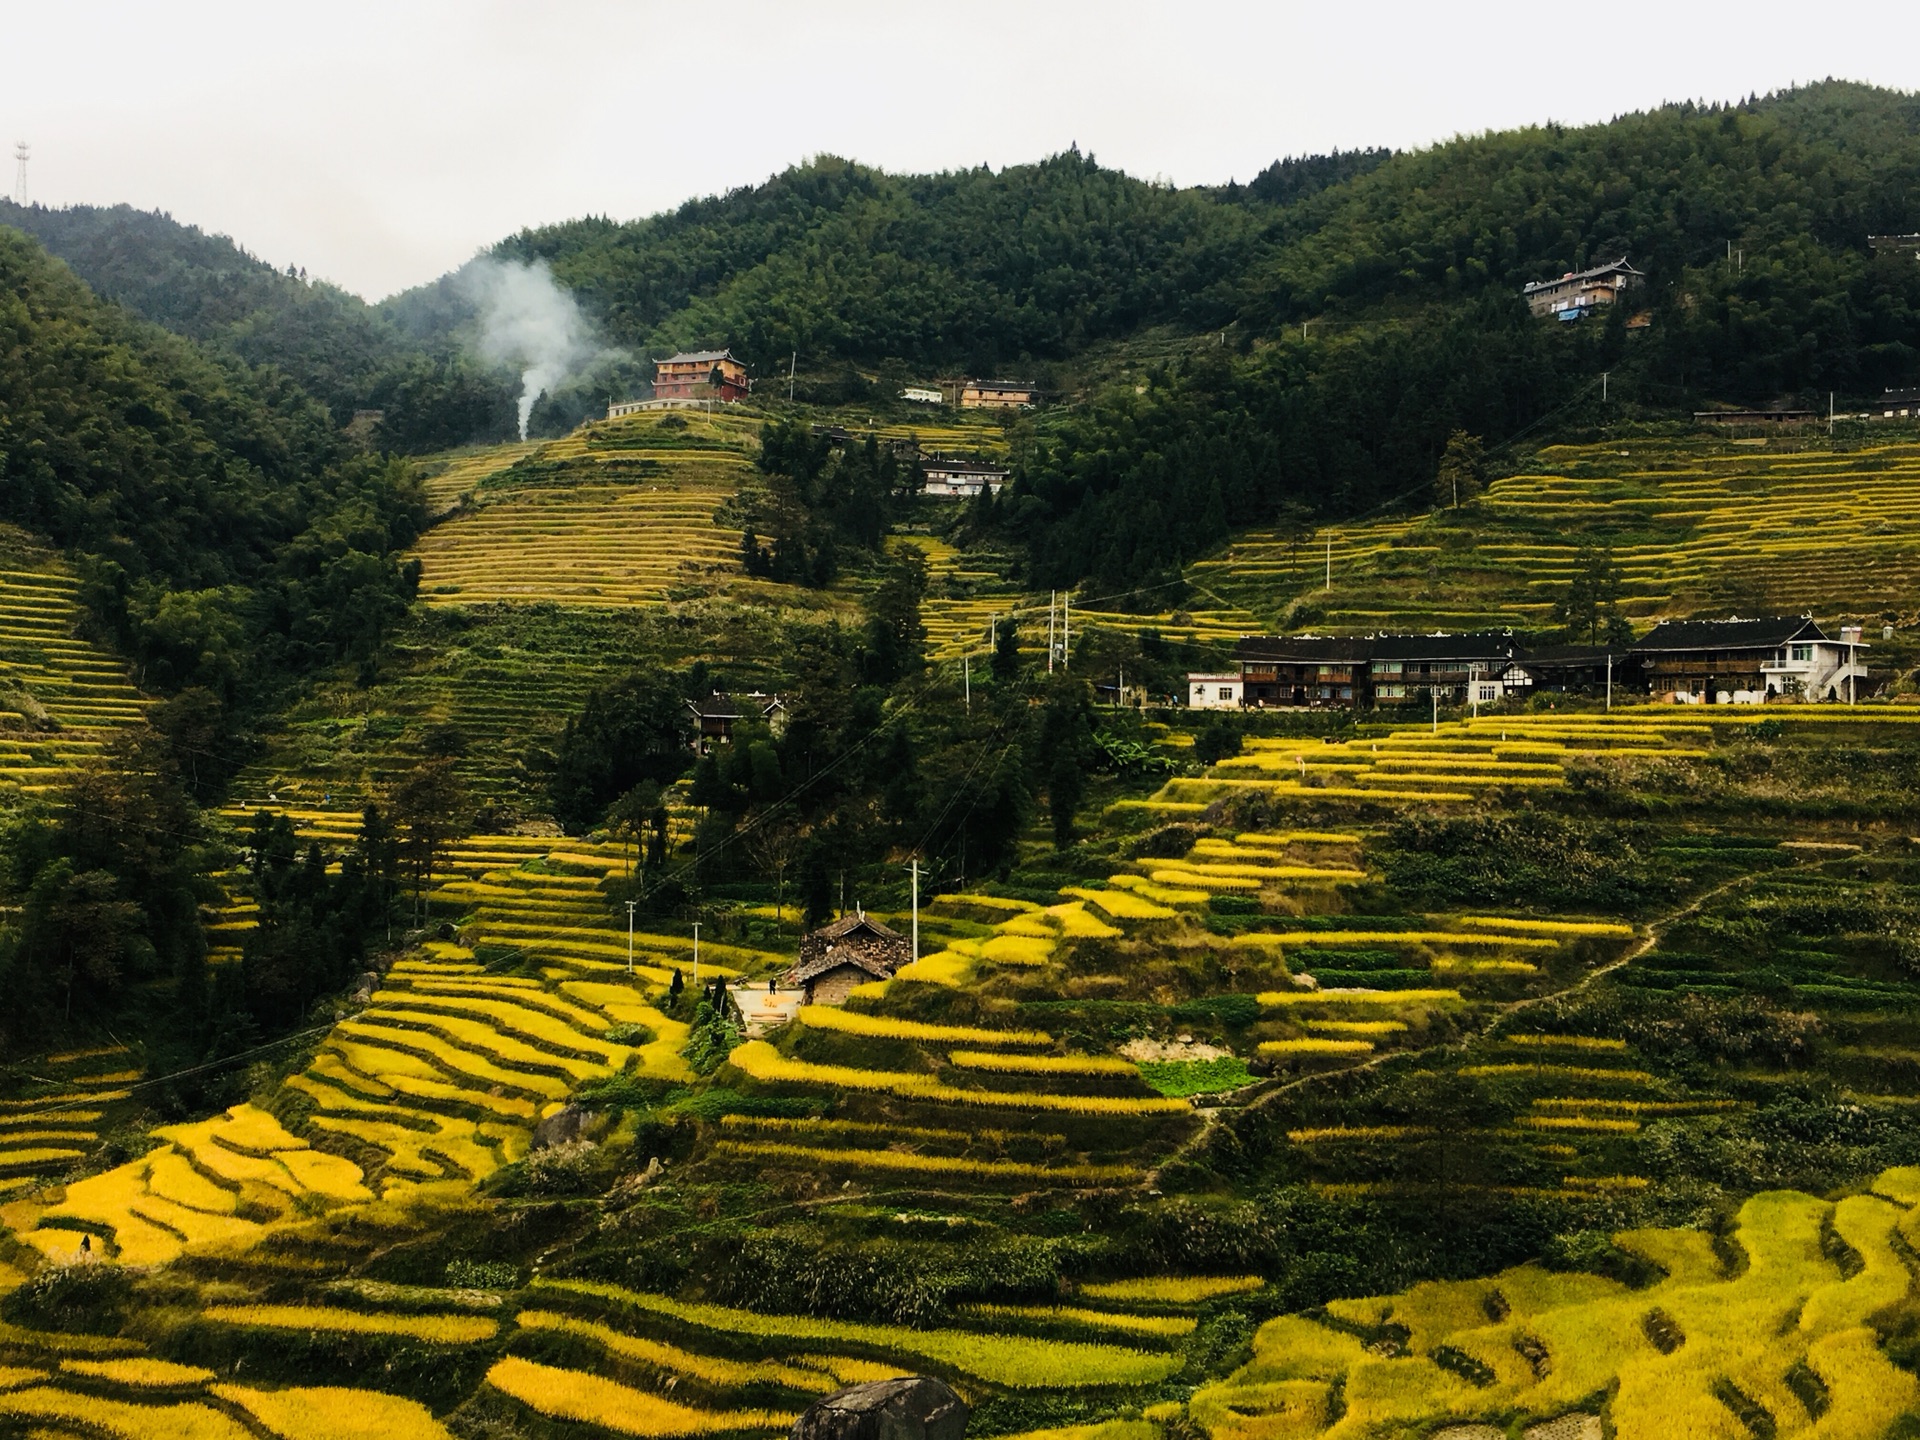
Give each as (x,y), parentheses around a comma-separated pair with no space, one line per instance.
(850,951)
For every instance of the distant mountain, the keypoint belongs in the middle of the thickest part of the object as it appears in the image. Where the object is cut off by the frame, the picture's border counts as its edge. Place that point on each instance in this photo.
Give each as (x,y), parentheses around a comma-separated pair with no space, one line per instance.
(340,350)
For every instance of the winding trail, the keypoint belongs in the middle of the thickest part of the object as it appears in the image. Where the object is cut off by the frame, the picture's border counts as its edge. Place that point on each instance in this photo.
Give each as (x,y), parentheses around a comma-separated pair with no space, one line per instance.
(1264,1091)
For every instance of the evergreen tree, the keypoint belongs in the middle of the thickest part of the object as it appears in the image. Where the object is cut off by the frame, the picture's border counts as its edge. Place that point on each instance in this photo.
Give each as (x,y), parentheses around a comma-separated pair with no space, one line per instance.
(1463,470)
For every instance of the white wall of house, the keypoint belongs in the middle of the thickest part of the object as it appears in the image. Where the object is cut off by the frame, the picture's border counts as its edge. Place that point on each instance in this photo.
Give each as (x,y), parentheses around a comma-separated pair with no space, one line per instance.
(1817,669)
(1214,692)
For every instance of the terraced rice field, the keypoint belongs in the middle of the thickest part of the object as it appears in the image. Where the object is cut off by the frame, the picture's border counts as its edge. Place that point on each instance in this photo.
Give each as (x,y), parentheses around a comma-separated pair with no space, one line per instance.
(1455,762)
(1692,526)
(449,479)
(615,514)
(1775,1341)
(212,1182)
(500,680)
(58,1122)
(61,697)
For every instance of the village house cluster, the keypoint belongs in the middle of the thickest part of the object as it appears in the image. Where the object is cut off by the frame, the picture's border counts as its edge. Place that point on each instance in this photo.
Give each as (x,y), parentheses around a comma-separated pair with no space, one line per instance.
(1688,662)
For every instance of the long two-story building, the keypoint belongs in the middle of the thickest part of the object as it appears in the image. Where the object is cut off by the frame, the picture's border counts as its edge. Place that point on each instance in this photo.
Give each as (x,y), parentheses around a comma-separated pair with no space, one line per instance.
(1723,662)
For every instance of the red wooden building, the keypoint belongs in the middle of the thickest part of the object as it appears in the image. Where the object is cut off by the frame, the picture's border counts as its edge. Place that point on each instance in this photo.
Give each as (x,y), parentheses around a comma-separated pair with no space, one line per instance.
(700,375)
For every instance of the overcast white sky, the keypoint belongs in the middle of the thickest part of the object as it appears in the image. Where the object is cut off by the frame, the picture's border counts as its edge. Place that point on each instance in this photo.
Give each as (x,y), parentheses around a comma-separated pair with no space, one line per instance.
(380,144)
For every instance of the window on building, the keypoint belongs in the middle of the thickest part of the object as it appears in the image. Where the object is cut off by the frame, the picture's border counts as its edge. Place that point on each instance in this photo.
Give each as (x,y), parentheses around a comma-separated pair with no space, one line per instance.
(1226,692)
(1801,653)
(1386,667)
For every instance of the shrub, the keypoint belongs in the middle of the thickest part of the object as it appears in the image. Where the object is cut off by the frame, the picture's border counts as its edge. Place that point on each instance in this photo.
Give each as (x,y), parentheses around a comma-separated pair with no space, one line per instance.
(1196,1077)
(1217,740)
(90,1299)
(482,1274)
(563,1169)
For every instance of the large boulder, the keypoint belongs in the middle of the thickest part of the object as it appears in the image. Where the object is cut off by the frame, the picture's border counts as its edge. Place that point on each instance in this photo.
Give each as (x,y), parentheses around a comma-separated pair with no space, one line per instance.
(913,1407)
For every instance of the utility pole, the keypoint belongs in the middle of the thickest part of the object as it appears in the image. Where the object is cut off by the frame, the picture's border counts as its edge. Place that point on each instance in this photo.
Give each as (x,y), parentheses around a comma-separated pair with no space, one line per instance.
(1053,599)
(1609,679)
(916,907)
(1829,414)
(630,907)
(1329,561)
(20,155)
(1434,691)
(966,675)
(793,361)
(1066,633)
(696,952)
(1603,387)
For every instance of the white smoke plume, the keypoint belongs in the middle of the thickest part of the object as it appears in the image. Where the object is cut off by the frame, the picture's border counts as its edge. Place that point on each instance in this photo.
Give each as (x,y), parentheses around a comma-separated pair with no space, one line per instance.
(528,321)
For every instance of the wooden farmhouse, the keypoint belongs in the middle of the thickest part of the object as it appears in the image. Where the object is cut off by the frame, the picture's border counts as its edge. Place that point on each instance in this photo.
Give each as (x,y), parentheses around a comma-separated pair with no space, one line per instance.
(715,717)
(851,951)
(1578,292)
(1687,662)
(1747,662)
(700,375)
(960,479)
(999,395)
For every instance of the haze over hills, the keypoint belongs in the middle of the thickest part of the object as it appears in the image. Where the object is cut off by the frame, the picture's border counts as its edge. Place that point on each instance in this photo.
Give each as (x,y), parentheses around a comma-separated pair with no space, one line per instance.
(1364,306)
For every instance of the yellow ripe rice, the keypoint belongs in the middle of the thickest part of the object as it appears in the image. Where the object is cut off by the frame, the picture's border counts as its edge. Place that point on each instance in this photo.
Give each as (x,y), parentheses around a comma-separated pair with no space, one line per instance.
(572,1395)
(910,1163)
(1169,1325)
(139,1370)
(1172,1289)
(714,1369)
(1013,1361)
(1544,927)
(335,1413)
(886,1027)
(1043,1064)
(761,1061)
(433,1329)
(120,1419)
(1273,999)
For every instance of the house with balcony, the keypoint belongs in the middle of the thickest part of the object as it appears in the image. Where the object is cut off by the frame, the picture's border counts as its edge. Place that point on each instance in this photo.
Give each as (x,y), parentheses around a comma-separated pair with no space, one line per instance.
(700,375)
(1747,662)
(1458,669)
(1578,293)
(1303,670)
(999,395)
(955,478)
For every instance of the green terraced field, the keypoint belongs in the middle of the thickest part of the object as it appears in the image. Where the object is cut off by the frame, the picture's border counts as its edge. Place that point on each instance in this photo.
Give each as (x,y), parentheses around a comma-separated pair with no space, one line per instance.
(1694,525)
(61,697)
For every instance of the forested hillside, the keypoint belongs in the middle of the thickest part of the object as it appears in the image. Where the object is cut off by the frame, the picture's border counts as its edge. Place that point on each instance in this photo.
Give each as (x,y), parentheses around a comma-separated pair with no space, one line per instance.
(340,350)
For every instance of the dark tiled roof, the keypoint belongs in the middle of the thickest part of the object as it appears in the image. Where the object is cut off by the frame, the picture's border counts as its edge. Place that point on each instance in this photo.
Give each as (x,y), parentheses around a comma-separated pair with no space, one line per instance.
(937,465)
(696,357)
(848,924)
(875,965)
(1566,654)
(1308,649)
(1759,634)
(1609,268)
(1476,645)
(721,706)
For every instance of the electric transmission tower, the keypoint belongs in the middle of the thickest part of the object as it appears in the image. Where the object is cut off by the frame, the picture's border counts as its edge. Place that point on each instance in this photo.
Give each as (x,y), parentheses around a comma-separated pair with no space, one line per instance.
(20,173)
